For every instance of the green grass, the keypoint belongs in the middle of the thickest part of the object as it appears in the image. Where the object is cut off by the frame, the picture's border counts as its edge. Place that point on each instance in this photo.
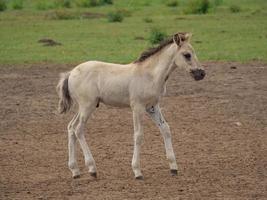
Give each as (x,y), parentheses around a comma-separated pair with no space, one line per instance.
(218,35)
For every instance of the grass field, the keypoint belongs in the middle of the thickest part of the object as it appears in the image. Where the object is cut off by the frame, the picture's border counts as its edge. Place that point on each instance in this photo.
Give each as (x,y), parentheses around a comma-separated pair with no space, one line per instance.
(219,35)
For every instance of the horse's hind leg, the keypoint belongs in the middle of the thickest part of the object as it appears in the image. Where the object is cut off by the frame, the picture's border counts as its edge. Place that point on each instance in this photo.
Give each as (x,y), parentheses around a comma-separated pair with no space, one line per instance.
(73,166)
(84,114)
(159,120)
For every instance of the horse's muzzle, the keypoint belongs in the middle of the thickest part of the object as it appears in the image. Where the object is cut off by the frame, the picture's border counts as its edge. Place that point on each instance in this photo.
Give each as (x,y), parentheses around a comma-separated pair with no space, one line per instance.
(198,74)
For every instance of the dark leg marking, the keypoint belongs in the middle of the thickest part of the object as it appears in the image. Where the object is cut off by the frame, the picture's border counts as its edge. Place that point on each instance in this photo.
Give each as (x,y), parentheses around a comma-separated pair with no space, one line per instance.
(76,176)
(174,172)
(98,102)
(93,174)
(161,121)
(151,110)
(139,178)
(167,77)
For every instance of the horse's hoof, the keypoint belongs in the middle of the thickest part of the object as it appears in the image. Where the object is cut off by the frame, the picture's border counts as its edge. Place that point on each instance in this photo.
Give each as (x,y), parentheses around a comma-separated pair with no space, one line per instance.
(93,174)
(139,178)
(174,172)
(76,176)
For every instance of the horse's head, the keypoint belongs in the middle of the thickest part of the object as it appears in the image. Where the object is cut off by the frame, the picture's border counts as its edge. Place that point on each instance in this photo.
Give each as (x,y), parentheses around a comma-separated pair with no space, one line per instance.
(186,57)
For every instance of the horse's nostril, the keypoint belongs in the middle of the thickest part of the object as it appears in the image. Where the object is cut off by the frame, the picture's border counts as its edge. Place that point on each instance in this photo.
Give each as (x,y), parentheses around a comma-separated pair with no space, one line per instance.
(201,73)
(198,74)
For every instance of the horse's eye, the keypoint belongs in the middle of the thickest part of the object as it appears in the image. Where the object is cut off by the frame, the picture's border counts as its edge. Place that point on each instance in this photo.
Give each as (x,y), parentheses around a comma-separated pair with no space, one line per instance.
(187,56)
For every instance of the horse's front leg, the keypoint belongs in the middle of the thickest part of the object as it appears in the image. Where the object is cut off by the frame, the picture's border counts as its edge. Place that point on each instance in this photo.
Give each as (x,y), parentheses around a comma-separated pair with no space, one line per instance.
(138,112)
(156,115)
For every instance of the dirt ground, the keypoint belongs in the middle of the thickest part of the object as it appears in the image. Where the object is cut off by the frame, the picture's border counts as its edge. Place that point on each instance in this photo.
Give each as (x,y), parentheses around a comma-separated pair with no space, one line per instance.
(219,131)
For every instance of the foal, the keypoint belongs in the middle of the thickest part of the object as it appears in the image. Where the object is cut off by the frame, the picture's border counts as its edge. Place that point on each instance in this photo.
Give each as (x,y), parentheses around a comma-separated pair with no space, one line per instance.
(138,85)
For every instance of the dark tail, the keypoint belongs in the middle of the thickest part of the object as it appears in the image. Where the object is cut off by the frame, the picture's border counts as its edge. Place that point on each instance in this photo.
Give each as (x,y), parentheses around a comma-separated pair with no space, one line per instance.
(65,100)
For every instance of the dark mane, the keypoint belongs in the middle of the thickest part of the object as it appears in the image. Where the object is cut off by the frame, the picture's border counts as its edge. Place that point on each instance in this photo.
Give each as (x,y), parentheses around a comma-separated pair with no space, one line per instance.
(150,52)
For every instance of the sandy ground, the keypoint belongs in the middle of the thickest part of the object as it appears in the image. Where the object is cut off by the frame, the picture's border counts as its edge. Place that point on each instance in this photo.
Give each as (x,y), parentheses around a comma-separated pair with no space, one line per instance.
(219,131)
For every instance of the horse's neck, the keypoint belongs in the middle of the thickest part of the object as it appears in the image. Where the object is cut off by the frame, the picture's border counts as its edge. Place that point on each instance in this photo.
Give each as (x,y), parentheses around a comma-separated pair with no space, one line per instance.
(163,64)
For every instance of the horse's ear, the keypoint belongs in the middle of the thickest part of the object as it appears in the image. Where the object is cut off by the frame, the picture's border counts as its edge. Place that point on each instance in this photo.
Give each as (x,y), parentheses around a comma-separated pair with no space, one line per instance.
(187,37)
(180,38)
(177,39)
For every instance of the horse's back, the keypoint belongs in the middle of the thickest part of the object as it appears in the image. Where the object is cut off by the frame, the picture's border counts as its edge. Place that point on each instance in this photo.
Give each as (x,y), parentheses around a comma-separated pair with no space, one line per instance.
(99,66)
(106,81)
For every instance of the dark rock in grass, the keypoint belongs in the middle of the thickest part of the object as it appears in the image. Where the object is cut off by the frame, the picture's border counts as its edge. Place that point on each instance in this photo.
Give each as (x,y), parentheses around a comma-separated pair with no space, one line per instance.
(49,42)
(139,38)
(90,15)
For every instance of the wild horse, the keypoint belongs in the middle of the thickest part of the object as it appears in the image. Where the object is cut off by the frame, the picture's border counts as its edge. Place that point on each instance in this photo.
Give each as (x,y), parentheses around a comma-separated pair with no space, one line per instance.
(138,85)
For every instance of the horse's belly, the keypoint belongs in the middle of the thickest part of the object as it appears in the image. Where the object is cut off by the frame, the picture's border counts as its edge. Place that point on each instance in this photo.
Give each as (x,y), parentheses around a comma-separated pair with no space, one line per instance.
(114,90)
(115,95)
(117,100)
